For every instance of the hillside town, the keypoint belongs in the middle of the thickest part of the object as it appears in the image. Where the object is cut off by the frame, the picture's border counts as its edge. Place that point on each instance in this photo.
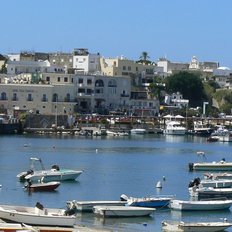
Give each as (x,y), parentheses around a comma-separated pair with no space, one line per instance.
(83,83)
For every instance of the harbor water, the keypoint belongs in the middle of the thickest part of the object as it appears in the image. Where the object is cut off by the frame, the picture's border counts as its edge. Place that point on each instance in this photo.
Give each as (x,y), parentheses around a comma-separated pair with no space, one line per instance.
(130,165)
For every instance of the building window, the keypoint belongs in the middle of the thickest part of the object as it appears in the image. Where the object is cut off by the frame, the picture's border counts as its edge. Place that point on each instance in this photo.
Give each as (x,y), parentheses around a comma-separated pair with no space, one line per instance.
(14,97)
(80,81)
(72,79)
(89,82)
(55,97)
(47,78)
(129,68)
(124,68)
(68,97)
(65,79)
(29,97)
(99,83)
(89,92)
(44,99)
(81,90)
(3,96)
(58,79)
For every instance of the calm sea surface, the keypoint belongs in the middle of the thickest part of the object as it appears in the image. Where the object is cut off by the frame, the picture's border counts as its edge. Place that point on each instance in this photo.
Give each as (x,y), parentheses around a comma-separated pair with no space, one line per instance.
(112,166)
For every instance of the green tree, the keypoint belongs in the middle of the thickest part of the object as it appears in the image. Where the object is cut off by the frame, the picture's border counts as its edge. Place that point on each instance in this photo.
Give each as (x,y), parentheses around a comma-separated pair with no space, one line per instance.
(188,84)
(144,58)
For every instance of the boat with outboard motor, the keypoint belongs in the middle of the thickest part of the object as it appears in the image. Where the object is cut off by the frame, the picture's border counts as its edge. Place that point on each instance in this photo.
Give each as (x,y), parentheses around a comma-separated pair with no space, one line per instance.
(38,215)
(46,175)
(150,202)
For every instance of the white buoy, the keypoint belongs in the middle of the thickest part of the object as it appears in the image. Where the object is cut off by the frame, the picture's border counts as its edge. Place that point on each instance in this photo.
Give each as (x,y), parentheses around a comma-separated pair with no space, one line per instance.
(164,178)
(96,150)
(0,185)
(159,184)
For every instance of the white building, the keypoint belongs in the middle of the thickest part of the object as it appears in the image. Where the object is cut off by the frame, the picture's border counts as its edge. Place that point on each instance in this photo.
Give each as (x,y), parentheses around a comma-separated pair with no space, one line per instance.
(223,76)
(17,67)
(84,62)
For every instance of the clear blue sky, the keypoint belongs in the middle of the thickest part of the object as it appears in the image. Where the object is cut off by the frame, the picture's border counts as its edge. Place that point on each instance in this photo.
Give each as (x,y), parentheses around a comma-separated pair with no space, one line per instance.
(177,29)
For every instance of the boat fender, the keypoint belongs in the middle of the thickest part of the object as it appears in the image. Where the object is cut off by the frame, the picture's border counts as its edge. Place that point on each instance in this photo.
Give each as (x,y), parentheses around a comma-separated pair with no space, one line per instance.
(190,166)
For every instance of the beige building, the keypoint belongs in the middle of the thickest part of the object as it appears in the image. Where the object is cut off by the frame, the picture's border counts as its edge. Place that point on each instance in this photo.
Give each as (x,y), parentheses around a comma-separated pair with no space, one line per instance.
(141,74)
(56,93)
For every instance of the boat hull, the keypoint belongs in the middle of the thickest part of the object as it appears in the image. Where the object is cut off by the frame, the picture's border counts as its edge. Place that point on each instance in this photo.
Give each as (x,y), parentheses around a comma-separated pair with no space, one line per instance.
(122,211)
(149,202)
(48,176)
(200,205)
(210,166)
(48,186)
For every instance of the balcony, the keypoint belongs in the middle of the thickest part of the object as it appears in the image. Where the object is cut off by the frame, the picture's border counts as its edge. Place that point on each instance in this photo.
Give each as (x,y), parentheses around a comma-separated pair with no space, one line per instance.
(125,95)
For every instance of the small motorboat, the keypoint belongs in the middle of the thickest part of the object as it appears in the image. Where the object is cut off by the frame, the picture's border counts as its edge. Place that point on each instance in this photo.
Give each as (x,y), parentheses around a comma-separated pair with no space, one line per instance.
(218,176)
(203,193)
(38,215)
(180,226)
(41,186)
(87,206)
(214,183)
(150,202)
(211,166)
(122,211)
(200,205)
(54,174)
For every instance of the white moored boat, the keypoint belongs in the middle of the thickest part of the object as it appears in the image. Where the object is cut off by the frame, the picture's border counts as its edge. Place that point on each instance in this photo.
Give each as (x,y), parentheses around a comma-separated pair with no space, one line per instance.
(211,166)
(122,211)
(87,206)
(138,131)
(200,205)
(204,193)
(218,176)
(37,215)
(180,226)
(56,173)
(214,183)
(174,128)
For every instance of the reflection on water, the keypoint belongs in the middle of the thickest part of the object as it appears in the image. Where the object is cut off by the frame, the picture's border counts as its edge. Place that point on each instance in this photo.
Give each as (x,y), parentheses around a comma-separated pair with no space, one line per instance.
(130,165)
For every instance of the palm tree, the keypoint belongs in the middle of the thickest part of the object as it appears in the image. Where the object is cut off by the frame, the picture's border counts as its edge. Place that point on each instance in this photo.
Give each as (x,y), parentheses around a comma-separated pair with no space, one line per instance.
(144,58)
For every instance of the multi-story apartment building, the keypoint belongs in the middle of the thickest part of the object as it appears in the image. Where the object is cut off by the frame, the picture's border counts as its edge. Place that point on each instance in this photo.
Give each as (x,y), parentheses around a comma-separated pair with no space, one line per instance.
(141,75)
(85,62)
(64,93)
